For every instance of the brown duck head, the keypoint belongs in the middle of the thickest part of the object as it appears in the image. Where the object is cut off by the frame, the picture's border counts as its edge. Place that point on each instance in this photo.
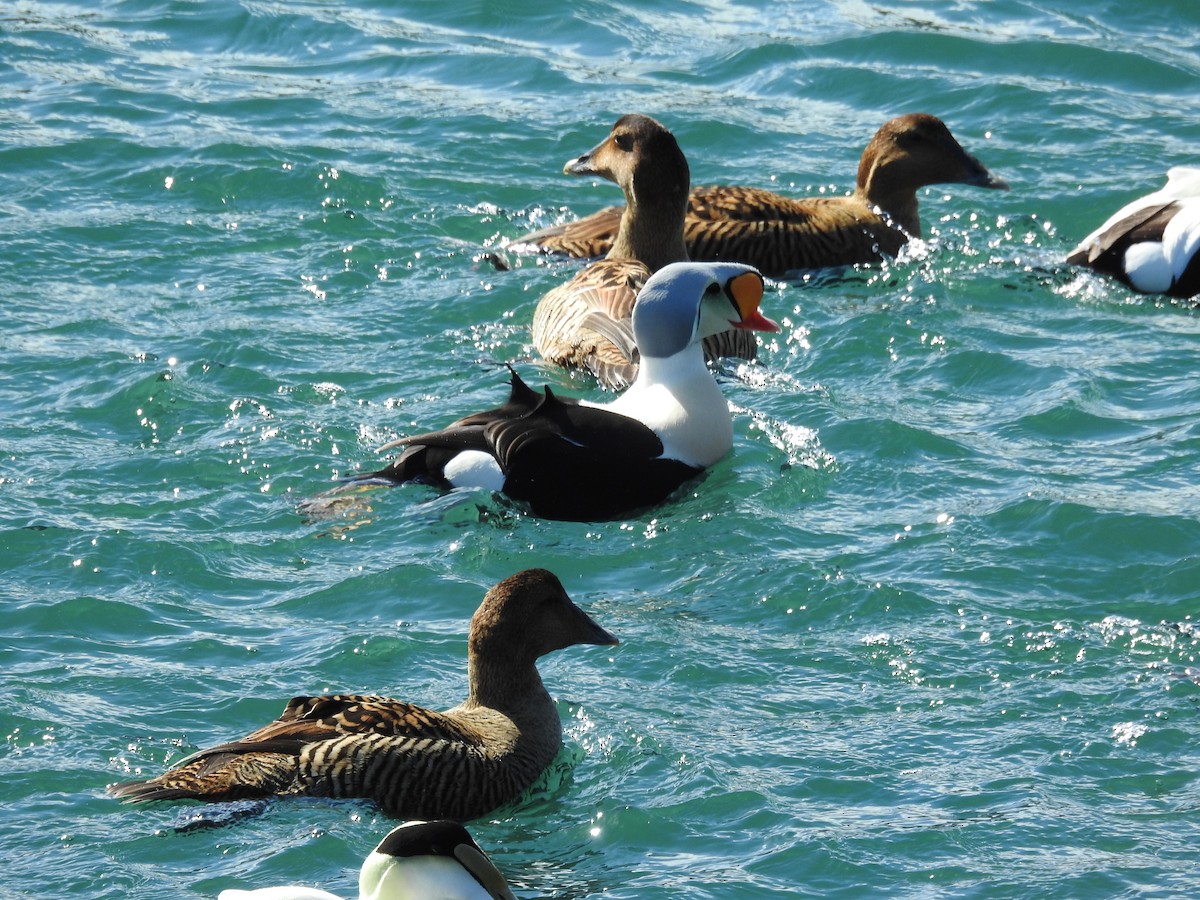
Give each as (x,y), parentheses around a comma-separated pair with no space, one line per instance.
(526,616)
(911,152)
(643,158)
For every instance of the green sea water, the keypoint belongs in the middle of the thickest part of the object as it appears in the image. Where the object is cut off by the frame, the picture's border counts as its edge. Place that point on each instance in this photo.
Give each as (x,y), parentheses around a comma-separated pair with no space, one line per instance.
(930,630)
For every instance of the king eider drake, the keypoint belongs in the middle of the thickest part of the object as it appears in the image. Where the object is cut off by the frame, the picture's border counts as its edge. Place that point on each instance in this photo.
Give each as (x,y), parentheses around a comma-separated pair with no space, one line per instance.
(415,861)
(1152,243)
(585,323)
(780,235)
(580,461)
(411,761)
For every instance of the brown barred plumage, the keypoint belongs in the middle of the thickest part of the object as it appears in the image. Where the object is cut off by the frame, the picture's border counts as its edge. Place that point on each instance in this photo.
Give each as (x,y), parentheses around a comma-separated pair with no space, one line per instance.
(584,323)
(779,235)
(412,761)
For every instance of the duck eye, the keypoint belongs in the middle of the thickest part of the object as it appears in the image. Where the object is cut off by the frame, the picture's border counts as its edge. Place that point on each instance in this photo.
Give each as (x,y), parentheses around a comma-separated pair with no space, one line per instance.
(713,288)
(623,142)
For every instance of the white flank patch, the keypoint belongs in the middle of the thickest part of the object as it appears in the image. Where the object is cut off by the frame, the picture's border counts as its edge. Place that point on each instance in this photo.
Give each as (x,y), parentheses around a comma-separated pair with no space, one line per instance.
(1147,268)
(474,468)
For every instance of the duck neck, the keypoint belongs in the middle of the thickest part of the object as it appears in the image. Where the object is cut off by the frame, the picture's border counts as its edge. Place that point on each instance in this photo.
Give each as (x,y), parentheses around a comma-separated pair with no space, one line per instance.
(680,400)
(685,370)
(876,187)
(505,685)
(651,228)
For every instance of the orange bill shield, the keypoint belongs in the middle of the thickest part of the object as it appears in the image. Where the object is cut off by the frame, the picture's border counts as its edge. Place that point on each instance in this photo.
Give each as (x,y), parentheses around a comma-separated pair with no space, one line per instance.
(746,292)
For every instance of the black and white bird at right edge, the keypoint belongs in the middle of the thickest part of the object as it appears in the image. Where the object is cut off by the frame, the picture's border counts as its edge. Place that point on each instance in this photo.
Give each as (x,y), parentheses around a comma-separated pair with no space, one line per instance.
(1153,243)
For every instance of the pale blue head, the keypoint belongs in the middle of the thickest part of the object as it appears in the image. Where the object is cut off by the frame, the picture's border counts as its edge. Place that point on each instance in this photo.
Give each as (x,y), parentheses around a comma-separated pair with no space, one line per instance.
(685,302)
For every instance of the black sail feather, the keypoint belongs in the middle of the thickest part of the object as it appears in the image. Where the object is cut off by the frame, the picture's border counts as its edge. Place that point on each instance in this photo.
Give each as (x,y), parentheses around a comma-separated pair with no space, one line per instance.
(569,461)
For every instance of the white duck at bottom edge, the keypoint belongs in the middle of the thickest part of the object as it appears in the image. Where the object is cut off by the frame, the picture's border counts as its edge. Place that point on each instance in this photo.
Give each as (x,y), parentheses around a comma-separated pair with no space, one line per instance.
(415,861)
(1153,243)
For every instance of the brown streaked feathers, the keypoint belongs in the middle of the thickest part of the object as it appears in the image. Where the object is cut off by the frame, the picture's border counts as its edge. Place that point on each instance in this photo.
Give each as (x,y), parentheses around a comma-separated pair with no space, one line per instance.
(411,761)
(779,235)
(585,323)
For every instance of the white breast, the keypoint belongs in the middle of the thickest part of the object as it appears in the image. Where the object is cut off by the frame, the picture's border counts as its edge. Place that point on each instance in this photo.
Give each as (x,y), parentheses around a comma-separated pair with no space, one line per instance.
(679,400)
(1181,237)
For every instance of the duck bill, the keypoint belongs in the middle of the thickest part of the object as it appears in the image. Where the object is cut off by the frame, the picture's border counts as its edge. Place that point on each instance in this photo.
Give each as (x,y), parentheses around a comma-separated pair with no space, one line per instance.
(981,177)
(757,322)
(591,633)
(601,637)
(746,292)
(582,165)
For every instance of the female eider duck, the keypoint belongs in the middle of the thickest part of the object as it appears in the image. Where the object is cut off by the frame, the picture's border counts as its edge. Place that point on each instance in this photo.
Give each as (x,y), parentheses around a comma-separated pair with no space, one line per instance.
(415,861)
(585,323)
(780,235)
(1152,243)
(411,761)
(580,461)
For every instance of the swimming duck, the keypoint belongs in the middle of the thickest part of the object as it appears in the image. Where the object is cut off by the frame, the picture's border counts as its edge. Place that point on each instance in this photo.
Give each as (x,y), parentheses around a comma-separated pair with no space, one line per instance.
(584,323)
(1151,244)
(581,461)
(411,761)
(779,235)
(415,861)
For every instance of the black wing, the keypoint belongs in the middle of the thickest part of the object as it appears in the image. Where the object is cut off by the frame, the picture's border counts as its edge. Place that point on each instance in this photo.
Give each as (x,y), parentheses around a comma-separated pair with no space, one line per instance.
(582,463)
(565,460)
(427,454)
(1107,252)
